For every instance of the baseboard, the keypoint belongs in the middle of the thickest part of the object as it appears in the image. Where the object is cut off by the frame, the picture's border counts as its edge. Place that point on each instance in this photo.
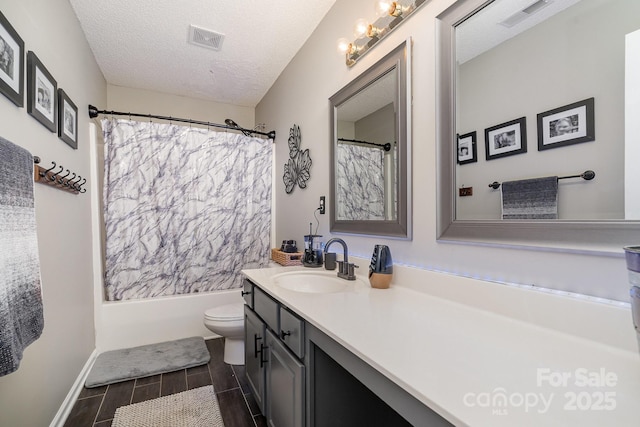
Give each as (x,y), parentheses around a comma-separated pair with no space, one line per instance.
(72,396)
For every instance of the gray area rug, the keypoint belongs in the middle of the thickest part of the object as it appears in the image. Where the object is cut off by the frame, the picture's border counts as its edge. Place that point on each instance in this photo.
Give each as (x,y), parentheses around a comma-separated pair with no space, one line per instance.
(193,408)
(137,362)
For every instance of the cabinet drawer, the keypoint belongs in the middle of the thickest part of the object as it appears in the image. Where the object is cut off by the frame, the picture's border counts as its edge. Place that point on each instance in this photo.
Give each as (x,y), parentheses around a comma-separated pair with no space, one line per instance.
(292,331)
(266,308)
(247,293)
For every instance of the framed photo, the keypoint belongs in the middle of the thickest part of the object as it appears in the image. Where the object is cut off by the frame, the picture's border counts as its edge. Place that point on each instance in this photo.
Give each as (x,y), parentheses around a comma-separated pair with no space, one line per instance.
(571,124)
(41,93)
(467,148)
(67,120)
(11,63)
(506,139)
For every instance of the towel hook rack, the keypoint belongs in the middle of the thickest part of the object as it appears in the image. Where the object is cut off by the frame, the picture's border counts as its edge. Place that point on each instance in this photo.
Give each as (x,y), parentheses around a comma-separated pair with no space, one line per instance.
(55,180)
(587,175)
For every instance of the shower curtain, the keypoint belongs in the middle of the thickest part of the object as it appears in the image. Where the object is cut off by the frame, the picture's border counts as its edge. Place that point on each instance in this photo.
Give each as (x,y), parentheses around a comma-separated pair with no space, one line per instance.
(360,183)
(185,208)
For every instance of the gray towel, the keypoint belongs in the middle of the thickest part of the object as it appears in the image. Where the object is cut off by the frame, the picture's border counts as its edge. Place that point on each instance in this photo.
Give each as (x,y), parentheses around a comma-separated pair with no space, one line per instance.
(530,198)
(21,317)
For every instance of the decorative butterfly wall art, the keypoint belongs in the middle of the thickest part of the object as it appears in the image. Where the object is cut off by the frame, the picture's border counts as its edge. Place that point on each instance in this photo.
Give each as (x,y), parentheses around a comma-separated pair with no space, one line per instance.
(296,170)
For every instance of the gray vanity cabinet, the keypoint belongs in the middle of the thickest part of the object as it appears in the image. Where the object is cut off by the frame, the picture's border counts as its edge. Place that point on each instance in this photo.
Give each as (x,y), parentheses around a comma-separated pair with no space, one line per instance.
(284,386)
(274,346)
(254,349)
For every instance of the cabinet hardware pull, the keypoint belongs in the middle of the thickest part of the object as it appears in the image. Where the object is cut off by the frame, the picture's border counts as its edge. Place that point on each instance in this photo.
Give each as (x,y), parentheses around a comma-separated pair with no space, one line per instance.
(243,293)
(284,334)
(262,361)
(256,338)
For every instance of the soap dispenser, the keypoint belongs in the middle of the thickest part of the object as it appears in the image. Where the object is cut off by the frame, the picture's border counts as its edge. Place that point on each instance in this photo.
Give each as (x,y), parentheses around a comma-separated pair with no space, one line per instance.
(381,267)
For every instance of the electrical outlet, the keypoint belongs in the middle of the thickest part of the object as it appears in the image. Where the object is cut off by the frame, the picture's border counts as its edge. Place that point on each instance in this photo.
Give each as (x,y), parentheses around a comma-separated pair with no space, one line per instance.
(465,191)
(321,205)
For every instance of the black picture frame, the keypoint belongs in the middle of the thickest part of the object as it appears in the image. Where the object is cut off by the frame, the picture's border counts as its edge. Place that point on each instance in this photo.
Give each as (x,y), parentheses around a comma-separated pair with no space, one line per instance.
(67,120)
(42,93)
(467,148)
(506,139)
(11,63)
(567,125)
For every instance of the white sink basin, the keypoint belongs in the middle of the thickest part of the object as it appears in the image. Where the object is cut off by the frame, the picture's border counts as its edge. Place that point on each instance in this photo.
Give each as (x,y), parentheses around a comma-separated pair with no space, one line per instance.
(313,282)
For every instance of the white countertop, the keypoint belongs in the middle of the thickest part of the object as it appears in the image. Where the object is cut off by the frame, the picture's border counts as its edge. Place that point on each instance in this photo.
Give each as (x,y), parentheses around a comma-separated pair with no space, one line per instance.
(477,366)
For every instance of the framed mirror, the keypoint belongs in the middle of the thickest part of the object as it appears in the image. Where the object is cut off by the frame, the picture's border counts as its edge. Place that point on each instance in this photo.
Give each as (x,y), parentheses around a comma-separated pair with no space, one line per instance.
(534,66)
(370,150)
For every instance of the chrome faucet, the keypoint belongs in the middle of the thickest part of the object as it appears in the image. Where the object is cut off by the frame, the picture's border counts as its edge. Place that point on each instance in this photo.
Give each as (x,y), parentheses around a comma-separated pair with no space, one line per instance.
(346,270)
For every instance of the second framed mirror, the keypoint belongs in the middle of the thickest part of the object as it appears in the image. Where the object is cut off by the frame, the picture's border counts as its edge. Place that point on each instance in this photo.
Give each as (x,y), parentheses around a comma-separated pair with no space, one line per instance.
(370,150)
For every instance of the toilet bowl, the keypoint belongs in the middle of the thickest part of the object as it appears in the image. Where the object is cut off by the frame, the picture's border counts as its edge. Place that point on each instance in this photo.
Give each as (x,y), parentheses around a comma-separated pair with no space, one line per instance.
(228,322)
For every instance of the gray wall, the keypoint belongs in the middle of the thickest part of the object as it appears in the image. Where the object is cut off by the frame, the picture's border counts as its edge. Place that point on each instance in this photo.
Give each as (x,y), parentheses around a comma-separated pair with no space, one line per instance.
(32,395)
(300,95)
(575,55)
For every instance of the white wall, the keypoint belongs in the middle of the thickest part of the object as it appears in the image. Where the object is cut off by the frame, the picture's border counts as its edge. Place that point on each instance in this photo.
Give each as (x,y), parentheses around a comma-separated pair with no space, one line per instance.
(300,96)
(32,395)
(133,100)
(632,125)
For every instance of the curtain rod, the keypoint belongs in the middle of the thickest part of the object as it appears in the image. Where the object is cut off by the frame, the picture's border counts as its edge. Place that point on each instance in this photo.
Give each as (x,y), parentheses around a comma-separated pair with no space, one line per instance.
(93,113)
(386,147)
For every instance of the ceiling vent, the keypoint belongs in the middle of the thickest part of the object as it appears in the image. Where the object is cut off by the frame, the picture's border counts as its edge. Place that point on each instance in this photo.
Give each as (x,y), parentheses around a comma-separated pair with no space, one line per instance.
(205,38)
(523,14)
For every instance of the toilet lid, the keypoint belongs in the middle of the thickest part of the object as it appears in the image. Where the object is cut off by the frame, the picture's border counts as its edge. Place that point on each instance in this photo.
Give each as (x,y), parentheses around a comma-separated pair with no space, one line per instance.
(226,312)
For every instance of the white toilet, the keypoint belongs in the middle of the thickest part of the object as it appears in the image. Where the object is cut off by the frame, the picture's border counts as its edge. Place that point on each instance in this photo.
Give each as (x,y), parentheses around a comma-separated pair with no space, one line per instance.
(228,322)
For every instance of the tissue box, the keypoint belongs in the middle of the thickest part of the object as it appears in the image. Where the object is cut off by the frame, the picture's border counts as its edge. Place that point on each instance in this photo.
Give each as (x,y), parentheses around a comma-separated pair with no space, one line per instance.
(286,259)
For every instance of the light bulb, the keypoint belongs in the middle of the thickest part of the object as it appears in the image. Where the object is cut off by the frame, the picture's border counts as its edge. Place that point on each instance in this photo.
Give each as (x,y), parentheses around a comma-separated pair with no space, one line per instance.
(360,28)
(383,7)
(343,45)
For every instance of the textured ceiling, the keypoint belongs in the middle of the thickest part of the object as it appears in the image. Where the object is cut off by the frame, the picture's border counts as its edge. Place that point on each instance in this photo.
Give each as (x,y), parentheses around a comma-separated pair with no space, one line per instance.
(144,44)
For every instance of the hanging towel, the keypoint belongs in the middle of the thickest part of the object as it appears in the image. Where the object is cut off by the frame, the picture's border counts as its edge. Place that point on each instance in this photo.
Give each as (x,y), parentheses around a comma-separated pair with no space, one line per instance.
(21,317)
(530,198)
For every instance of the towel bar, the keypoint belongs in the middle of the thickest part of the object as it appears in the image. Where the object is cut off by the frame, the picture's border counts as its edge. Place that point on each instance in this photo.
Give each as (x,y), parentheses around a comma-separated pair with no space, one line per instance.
(587,175)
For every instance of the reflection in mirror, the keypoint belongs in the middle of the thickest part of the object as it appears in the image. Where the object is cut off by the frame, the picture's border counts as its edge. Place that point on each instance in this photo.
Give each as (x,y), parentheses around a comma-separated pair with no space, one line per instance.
(548,64)
(370,146)
(366,154)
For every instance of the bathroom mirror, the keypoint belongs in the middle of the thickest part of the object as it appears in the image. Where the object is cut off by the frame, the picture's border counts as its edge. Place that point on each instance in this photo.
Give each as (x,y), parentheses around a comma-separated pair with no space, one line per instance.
(507,60)
(370,146)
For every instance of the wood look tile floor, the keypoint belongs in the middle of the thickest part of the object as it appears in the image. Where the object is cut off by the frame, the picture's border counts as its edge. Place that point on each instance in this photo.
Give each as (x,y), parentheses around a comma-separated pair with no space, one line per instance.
(96,407)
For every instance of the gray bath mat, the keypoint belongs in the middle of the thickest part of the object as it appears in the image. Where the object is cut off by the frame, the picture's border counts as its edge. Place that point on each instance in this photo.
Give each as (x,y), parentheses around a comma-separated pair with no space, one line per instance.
(137,362)
(193,408)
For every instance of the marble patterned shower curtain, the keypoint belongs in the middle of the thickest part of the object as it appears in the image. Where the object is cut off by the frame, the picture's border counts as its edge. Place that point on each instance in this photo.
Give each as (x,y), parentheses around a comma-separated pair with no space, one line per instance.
(360,183)
(185,208)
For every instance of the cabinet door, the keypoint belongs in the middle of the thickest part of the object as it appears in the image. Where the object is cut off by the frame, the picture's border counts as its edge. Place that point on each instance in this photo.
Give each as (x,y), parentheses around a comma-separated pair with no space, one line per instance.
(285,386)
(254,358)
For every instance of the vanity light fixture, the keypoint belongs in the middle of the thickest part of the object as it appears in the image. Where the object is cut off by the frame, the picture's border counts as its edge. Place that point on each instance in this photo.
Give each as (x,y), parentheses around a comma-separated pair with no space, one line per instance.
(372,31)
(389,15)
(396,9)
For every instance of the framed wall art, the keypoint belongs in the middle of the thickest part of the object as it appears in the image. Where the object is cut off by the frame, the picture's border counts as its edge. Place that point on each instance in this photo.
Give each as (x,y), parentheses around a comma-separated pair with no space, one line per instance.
(11,63)
(467,148)
(41,93)
(67,120)
(506,139)
(567,125)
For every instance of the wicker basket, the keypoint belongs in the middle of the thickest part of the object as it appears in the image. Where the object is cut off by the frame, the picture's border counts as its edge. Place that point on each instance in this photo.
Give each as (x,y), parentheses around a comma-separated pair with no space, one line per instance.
(286,259)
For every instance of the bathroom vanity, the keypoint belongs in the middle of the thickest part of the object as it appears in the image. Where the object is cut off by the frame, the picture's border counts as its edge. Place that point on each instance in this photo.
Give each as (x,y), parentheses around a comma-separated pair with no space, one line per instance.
(437,350)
